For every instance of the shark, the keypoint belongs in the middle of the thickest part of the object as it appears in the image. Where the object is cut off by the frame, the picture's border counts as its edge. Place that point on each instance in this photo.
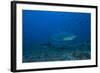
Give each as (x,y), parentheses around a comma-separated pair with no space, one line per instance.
(64,36)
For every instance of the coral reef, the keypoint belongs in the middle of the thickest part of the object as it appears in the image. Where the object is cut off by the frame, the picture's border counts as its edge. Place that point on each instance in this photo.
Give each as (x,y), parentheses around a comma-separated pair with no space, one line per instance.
(46,52)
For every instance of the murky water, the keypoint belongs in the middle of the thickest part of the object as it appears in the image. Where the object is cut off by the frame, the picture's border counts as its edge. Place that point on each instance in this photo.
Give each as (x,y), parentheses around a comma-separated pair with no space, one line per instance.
(56,36)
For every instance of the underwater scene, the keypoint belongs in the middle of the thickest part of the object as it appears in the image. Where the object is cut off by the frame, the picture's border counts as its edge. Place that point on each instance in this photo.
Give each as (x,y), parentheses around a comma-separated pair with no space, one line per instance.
(55,36)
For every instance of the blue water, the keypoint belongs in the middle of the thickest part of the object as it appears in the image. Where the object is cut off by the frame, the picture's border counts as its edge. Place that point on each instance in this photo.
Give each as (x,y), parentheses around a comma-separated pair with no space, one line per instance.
(39,41)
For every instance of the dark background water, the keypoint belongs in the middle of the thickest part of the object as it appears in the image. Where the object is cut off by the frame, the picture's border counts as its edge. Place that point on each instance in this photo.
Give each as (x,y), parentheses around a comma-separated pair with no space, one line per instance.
(39,26)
